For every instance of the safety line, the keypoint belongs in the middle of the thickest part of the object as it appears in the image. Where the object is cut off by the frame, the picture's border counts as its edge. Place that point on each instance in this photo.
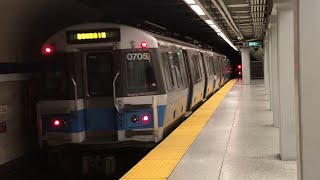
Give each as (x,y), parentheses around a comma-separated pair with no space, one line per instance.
(162,160)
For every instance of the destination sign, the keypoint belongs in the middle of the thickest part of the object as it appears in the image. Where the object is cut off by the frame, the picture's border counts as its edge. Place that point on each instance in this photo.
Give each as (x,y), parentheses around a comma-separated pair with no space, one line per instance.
(93,36)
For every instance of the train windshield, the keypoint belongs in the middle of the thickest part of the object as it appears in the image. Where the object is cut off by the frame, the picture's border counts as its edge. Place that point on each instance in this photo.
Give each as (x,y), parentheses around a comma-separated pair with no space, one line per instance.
(140,73)
(54,79)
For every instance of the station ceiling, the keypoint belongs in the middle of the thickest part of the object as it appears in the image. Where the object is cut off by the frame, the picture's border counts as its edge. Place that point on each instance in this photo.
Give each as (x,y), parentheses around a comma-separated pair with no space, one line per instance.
(174,15)
(27,24)
(240,20)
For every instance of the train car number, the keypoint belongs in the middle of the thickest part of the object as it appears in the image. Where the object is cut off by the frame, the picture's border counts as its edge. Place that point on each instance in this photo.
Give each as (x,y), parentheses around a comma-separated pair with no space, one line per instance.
(138,56)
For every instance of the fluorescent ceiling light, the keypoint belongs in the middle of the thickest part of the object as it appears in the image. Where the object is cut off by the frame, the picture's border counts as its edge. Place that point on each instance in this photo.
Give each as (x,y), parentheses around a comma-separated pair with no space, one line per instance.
(209,22)
(198,10)
(214,27)
(218,30)
(221,34)
(190,1)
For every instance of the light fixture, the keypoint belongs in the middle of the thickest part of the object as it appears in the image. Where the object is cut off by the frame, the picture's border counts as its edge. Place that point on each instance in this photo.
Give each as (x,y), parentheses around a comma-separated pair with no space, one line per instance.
(144,45)
(197,9)
(209,22)
(221,34)
(56,122)
(47,49)
(145,118)
(190,1)
(215,27)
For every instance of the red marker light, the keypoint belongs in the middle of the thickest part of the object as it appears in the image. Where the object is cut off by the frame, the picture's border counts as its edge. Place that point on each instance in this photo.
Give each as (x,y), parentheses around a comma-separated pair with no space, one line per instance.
(47,49)
(240,73)
(239,66)
(56,122)
(144,45)
(145,118)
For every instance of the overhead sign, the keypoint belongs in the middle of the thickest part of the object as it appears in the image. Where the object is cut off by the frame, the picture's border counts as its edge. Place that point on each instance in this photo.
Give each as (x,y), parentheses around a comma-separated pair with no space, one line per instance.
(254,43)
(93,36)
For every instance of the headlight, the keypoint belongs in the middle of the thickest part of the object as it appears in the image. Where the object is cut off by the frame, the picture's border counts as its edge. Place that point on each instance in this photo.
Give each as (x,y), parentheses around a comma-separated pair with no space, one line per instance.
(134,118)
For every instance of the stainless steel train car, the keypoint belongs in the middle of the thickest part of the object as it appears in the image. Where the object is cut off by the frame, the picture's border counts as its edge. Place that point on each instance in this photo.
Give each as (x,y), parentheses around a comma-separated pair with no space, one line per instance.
(106,84)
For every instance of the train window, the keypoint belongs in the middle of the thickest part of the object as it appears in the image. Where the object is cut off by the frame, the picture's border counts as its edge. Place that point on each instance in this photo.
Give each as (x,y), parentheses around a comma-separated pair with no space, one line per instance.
(208,64)
(55,82)
(213,65)
(167,70)
(176,57)
(200,64)
(221,65)
(196,67)
(140,74)
(100,75)
(185,58)
(216,61)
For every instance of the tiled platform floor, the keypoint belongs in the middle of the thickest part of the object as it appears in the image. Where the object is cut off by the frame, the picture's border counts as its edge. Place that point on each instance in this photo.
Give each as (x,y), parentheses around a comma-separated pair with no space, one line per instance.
(238,142)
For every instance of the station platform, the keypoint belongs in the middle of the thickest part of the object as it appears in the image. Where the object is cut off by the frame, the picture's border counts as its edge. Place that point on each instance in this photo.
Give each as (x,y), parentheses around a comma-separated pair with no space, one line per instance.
(231,136)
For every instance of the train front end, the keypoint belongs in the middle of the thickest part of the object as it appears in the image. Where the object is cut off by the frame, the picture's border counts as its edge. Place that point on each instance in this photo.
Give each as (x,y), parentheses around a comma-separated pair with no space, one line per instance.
(100,84)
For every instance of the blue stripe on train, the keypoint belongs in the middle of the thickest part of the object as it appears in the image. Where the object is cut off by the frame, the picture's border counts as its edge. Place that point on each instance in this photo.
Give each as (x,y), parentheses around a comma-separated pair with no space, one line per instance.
(95,120)
(101,119)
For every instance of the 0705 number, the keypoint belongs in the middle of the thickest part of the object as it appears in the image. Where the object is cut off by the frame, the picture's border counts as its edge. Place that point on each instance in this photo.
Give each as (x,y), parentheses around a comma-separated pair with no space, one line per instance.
(138,56)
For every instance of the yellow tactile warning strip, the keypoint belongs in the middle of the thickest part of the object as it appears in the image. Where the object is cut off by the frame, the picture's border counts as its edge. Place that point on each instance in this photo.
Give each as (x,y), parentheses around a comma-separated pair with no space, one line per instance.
(162,160)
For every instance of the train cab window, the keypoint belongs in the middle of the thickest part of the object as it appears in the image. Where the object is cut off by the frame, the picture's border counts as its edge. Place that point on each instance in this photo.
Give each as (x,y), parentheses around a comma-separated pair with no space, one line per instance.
(100,74)
(176,59)
(167,70)
(140,74)
(55,79)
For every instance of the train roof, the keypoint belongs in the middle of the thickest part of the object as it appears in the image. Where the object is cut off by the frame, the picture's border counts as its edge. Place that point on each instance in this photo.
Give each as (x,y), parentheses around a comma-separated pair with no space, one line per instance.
(153,37)
(179,42)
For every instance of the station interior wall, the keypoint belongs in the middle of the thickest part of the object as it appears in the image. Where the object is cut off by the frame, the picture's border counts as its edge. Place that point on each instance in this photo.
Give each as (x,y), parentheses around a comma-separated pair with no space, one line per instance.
(24,27)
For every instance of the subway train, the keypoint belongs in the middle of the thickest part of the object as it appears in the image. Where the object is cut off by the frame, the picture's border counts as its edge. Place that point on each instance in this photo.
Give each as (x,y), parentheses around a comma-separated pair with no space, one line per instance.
(110,84)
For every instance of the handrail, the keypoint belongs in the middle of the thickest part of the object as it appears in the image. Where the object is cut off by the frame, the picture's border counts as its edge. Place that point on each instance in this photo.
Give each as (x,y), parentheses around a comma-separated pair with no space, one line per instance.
(155,119)
(114,92)
(75,94)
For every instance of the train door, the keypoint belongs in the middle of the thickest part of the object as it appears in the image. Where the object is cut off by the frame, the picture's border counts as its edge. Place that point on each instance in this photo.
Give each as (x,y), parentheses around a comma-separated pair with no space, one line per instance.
(100,113)
(189,81)
(214,73)
(218,71)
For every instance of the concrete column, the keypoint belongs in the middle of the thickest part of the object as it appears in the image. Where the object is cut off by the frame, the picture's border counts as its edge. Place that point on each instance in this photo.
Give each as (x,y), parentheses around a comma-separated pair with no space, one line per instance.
(245,56)
(286,84)
(275,71)
(270,67)
(265,77)
(307,34)
(265,61)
